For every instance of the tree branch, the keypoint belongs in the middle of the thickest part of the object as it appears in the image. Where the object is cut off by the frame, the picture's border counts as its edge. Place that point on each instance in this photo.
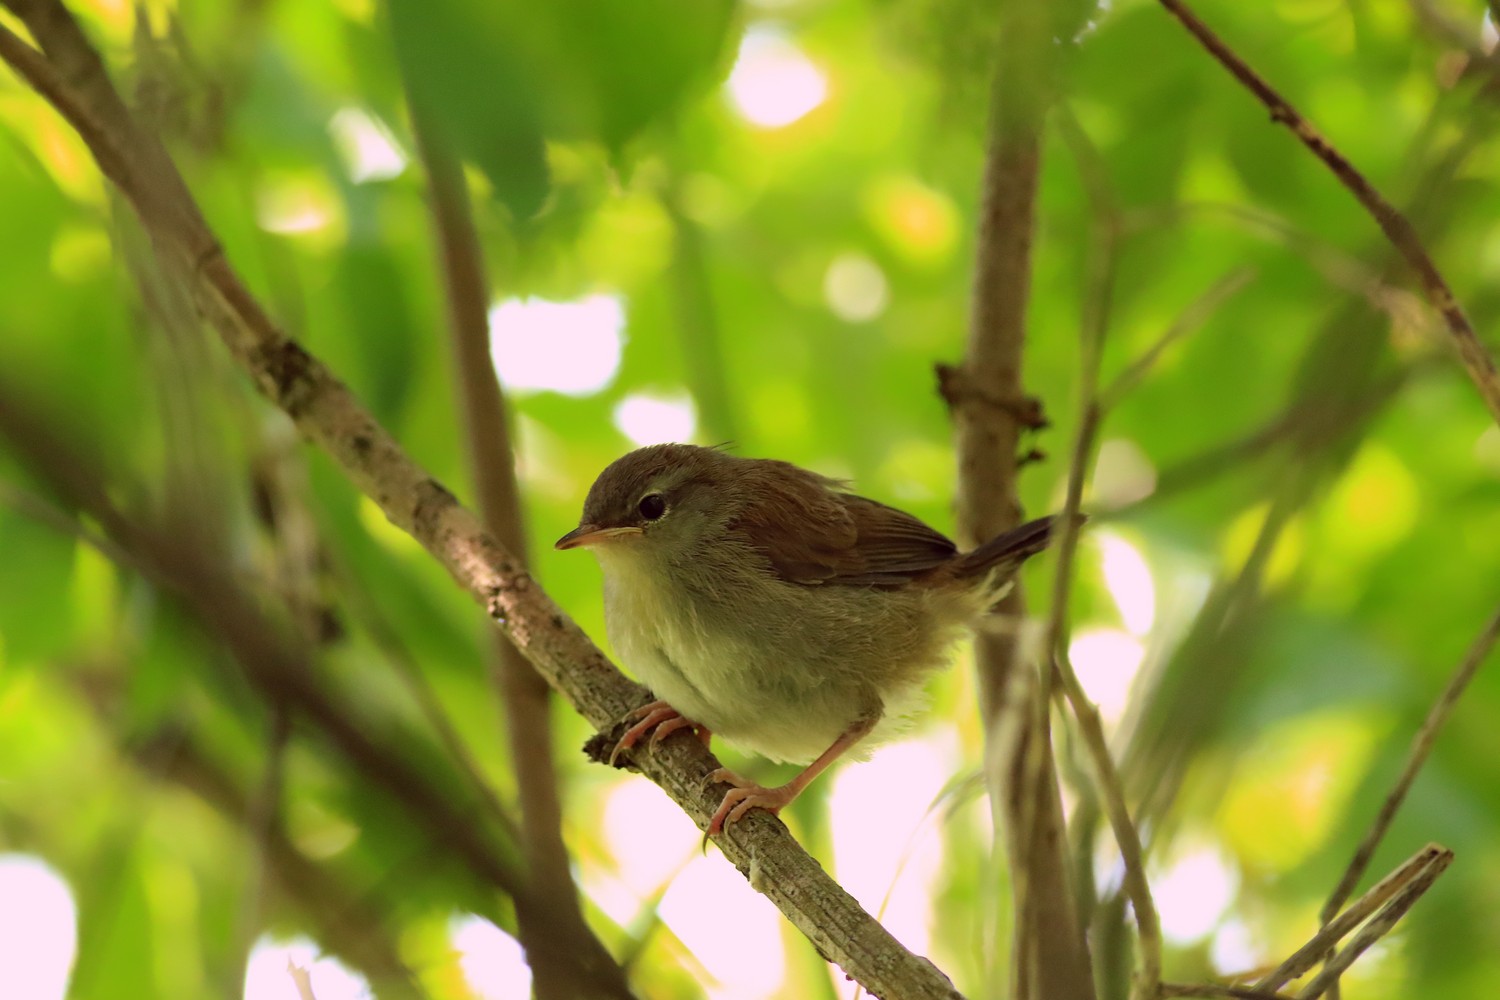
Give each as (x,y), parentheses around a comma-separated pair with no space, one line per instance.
(1397,228)
(1098,294)
(327,412)
(990,411)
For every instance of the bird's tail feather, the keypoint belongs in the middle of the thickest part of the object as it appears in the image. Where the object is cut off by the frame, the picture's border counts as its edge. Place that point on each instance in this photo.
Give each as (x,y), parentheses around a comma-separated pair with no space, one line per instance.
(1007,550)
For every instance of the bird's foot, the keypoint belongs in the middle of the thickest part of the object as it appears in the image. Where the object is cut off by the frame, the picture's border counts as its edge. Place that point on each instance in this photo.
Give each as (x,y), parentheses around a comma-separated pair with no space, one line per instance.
(662,718)
(747,795)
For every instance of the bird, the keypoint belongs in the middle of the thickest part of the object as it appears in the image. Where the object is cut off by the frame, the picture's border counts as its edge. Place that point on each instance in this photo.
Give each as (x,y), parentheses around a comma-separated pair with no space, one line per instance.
(768,605)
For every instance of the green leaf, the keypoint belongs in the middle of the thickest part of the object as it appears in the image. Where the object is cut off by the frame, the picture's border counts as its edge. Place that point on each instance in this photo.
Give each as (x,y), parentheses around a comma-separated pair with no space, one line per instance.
(470,82)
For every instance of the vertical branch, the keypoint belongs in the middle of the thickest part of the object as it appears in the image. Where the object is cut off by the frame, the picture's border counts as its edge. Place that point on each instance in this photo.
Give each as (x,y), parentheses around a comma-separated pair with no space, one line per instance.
(525,695)
(990,412)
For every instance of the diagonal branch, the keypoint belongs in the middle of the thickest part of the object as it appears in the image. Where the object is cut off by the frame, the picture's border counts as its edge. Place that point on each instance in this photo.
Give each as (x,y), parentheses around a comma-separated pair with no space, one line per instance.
(1336,928)
(328,413)
(1397,228)
(1378,927)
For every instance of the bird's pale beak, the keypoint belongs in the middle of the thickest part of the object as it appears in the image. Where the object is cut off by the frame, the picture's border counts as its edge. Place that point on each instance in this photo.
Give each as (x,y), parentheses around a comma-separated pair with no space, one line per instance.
(592,534)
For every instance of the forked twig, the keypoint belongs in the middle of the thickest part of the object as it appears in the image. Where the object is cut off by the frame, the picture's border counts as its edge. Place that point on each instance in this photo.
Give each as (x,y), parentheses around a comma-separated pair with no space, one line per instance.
(1391,897)
(1379,926)
(1333,931)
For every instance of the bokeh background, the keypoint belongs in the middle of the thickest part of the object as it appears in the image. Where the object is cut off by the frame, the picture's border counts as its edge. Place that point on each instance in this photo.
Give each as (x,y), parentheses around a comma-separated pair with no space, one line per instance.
(754,224)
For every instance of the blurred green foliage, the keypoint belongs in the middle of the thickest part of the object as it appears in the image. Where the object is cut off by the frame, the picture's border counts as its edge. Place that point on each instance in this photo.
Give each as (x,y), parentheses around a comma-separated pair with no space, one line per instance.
(1320,400)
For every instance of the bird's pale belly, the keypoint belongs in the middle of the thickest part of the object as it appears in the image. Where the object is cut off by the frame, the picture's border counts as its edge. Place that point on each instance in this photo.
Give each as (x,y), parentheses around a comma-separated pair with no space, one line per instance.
(748,696)
(781,697)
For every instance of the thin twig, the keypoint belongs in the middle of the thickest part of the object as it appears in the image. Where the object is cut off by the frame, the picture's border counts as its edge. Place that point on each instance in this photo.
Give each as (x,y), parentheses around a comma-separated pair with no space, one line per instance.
(330,416)
(1421,747)
(1397,228)
(48,514)
(263,811)
(274,666)
(1379,926)
(1333,931)
(1097,299)
(1333,417)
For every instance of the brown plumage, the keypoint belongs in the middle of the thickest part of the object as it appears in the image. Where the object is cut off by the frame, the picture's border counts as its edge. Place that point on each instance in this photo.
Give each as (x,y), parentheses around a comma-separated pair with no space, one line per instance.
(763,602)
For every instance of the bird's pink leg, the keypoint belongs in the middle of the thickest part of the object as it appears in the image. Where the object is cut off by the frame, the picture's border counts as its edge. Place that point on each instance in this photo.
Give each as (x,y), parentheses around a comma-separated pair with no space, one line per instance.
(663,718)
(747,795)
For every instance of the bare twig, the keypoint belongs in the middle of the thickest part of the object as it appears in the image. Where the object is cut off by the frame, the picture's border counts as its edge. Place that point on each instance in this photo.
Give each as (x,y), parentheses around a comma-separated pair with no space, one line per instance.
(1338,391)
(262,822)
(525,696)
(1421,747)
(1379,926)
(1333,931)
(330,416)
(1397,228)
(1098,295)
(48,514)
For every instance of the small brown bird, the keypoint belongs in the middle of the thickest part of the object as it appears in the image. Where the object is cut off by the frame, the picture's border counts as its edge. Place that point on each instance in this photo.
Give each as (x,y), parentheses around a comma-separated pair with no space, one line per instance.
(764,603)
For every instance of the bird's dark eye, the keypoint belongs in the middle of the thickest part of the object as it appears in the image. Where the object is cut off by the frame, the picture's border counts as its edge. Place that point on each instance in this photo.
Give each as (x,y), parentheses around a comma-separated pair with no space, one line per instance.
(652,506)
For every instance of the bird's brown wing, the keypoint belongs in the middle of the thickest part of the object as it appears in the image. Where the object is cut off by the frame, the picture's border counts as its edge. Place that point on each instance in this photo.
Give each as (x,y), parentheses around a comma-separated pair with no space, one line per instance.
(813,534)
(892,545)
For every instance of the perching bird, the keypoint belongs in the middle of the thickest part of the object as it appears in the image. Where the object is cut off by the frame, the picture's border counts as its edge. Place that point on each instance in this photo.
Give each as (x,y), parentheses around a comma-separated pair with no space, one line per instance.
(762,602)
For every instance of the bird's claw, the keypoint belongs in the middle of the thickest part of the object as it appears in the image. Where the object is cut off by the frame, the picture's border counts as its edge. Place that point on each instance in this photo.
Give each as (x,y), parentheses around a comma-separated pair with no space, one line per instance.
(658,716)
(744,796)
